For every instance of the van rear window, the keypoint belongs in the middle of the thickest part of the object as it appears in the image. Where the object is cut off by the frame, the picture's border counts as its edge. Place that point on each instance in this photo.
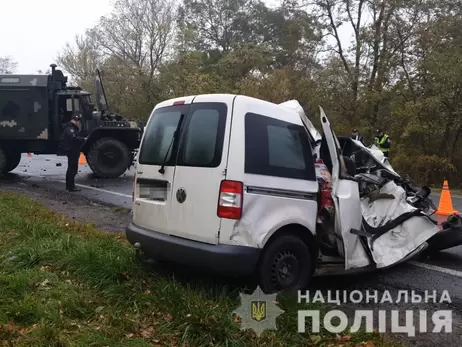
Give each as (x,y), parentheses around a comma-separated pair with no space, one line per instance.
(204,132)
(201,138)
(159,134)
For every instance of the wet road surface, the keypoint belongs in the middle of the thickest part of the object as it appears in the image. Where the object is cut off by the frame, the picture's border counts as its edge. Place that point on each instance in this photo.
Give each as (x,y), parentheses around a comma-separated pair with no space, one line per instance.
(49,171)
(443,272)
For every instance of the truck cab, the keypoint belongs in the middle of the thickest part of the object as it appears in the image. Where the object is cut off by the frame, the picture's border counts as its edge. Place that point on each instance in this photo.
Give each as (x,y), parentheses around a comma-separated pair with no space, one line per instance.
(34,109)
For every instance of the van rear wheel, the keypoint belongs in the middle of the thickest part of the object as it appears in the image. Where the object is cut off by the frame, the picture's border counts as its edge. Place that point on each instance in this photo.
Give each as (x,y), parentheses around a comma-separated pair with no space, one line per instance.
(285,266)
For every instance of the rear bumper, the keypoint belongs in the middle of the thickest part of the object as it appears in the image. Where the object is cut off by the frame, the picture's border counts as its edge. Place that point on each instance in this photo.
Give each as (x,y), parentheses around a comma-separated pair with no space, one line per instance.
(225,259)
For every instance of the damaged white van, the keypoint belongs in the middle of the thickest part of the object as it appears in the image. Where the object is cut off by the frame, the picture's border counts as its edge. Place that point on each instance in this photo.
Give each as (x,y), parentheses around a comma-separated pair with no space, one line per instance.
(228,183)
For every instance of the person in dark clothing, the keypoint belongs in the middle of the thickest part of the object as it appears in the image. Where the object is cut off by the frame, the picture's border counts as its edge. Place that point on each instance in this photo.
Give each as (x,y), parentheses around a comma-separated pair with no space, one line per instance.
(72,143)
(356,136)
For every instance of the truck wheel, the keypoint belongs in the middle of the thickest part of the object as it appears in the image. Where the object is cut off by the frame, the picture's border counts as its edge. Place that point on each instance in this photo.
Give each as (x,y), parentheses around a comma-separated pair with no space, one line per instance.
(108,158)
(12,161)
(285,266)
(3,161)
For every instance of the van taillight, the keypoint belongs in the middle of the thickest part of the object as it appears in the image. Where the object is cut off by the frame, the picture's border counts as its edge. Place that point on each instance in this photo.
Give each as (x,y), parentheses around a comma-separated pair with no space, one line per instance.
(230,199)
(180,102)
(134,186)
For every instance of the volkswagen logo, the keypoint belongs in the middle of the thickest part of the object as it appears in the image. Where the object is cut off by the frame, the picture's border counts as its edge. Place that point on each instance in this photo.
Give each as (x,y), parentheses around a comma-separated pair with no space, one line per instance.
(181,195)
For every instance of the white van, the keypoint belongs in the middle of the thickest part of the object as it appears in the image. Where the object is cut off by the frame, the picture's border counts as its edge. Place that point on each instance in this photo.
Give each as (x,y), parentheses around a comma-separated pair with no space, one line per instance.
(228,183)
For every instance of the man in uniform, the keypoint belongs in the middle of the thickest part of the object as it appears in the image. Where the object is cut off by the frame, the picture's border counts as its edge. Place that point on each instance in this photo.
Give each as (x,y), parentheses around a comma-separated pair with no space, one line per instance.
(382,141)
(356,136)
(72,143)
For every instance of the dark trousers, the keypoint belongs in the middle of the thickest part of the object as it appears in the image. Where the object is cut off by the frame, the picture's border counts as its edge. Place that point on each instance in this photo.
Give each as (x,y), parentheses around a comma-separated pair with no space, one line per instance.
(72,168)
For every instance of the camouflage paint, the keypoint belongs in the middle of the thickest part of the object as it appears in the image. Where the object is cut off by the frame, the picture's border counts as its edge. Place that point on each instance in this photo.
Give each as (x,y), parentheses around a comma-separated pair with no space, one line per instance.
(24,107)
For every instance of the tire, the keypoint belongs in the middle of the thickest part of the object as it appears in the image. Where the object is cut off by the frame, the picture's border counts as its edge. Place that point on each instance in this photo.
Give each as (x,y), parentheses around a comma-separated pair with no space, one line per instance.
(12,161)
(108,158)
(3,162)
(285,250)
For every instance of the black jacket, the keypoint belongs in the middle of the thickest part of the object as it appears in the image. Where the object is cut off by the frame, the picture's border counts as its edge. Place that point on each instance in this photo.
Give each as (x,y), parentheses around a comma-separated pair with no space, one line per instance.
(71,140)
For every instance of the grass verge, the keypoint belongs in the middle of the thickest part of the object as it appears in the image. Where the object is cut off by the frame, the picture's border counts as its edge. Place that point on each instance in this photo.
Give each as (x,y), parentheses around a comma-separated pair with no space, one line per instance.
(66,284)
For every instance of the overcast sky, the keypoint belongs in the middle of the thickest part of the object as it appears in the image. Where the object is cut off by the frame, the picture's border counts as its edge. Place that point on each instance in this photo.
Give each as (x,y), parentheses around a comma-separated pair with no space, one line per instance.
(33,32)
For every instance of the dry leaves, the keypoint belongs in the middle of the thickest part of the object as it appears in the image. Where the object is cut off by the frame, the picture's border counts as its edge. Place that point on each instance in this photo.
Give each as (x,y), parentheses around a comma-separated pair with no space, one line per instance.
(147,332)
(48,268)
(46,284)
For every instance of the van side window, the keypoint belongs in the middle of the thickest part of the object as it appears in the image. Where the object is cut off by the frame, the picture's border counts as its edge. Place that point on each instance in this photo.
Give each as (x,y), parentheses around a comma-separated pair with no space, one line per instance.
(158,136)
(204,135)
(277,148)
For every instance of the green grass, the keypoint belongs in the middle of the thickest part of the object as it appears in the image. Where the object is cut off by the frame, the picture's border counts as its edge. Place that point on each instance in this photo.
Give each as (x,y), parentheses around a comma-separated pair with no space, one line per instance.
(66,284)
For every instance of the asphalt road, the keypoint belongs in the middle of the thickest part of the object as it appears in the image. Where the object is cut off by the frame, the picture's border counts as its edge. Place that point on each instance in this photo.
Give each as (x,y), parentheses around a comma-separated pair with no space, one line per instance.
(50,171)
(443,272)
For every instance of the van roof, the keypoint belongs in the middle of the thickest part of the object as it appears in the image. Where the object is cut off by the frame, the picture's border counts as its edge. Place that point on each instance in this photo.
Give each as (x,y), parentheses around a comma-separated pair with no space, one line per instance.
(280,112)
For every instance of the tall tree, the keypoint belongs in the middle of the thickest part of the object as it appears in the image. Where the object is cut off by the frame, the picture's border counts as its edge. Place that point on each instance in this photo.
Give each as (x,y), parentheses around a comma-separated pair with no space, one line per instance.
(7,65)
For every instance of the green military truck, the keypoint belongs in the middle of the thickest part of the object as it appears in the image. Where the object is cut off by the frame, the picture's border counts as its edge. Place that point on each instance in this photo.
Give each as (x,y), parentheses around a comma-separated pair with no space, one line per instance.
(34,108)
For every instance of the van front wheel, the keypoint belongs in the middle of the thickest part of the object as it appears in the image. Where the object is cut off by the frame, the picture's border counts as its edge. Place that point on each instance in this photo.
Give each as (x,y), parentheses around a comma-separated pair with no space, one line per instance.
(285,265)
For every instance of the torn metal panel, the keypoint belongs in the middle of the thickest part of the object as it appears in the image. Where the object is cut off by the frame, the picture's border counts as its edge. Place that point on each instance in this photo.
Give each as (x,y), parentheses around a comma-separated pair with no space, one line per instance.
(295,106)
(397,243)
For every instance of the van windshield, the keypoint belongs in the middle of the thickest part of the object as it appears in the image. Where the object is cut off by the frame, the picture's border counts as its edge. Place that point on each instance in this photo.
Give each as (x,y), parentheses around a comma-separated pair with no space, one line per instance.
(159,134)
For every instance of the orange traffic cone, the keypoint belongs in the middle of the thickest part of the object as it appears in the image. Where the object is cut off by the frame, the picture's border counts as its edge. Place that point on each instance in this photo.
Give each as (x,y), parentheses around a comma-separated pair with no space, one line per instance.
(445,207)
(82,159)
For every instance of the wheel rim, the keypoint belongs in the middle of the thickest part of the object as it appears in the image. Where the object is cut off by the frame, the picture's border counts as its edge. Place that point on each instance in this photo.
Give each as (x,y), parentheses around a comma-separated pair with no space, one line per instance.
(285,269)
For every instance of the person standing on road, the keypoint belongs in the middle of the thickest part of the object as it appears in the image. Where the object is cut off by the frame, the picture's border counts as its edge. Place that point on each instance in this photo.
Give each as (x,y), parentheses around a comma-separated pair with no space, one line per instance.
(382,140)
(356,136)
(72,143)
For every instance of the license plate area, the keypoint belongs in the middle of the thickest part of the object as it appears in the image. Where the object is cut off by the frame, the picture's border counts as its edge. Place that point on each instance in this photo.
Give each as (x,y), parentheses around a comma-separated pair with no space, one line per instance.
(152,189)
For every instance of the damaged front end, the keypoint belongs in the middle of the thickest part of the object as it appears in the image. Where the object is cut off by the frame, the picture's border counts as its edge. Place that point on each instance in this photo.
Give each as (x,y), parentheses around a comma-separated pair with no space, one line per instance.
(377,180)
(381,218)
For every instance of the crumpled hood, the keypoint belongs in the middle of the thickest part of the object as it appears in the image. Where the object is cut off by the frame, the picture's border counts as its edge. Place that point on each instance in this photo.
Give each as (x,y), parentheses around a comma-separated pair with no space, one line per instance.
(399,242)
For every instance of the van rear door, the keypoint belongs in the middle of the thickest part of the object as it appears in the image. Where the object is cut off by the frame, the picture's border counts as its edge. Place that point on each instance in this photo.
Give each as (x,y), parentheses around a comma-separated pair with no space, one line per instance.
(153,189)
(201,166)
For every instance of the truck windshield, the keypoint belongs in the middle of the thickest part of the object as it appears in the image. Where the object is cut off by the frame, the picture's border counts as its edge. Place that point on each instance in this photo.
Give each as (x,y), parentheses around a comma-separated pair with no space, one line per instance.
(87,103)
